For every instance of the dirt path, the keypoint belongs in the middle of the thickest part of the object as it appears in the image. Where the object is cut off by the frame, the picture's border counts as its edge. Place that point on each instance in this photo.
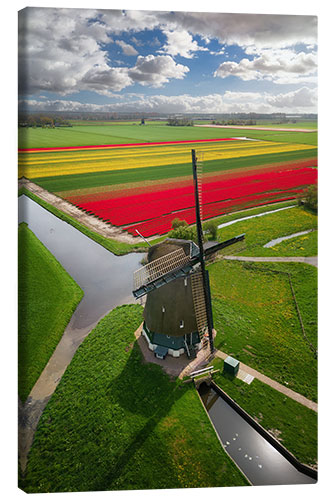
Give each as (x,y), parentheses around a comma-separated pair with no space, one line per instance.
(276,385)
(87,220)
(313,261)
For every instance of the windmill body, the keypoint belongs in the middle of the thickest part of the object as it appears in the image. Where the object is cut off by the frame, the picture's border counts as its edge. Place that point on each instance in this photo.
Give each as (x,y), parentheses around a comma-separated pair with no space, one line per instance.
(170,320)
(175,313)
(178,313)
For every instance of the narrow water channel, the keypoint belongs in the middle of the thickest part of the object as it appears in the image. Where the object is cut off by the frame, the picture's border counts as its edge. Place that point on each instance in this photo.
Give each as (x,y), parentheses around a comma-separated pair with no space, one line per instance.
(226,224)
(261,463)
(276,241)
(105,278)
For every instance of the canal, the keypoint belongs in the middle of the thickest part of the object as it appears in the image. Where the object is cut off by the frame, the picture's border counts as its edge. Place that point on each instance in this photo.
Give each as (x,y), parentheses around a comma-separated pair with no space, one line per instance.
(261,463)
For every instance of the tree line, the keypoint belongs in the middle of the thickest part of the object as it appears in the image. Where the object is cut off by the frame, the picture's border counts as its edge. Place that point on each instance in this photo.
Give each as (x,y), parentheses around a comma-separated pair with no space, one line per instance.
(43,121)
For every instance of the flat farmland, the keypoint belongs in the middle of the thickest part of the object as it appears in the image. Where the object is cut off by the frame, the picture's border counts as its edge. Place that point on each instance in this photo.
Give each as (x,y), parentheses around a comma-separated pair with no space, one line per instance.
(143,185)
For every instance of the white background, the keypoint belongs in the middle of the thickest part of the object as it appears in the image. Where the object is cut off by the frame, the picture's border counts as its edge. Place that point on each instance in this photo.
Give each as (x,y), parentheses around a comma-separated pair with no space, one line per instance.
(8,207)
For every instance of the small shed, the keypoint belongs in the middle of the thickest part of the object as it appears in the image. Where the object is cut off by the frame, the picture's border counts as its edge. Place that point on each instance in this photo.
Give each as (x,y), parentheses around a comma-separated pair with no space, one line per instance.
(231,366)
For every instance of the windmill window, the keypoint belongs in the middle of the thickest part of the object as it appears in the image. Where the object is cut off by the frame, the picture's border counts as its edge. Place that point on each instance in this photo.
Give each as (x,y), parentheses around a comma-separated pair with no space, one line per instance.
(185,281)
(181,324)
(163,309)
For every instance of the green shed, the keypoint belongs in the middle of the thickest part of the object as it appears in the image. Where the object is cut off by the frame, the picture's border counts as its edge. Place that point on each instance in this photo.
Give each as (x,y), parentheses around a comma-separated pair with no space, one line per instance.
(231,366)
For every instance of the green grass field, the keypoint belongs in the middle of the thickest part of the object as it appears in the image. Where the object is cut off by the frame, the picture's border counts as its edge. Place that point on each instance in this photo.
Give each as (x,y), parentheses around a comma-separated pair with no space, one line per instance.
(293,424)
(116,423)
(92,134)
(256,319)
(261,230)
(47,299)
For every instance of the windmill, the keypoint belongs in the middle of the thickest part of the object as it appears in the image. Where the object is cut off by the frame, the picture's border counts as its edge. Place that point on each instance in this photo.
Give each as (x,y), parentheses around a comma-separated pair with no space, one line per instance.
(178,312)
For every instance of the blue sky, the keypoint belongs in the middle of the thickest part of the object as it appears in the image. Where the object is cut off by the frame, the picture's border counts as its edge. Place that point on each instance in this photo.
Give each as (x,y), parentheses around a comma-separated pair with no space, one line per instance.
(177,62)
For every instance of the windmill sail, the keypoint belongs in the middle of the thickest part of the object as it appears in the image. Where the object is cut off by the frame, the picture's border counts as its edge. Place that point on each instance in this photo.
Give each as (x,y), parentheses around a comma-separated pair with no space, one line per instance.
(160,267)
(199,302)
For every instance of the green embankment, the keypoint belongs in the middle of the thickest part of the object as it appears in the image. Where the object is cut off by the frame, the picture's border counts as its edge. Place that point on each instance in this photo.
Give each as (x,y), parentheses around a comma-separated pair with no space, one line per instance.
(94,179)
(293,424)
(132,133)
(256,319)
(116,423)
(47,298)
(261,230)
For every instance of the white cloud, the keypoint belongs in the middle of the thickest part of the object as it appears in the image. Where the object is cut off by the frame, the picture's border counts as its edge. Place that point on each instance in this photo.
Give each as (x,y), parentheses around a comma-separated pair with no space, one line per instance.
(300,101)
(277,65)
(127,49)
(262,30)
(64,50)
(156,70)
(180,42)
(302,98)
(250,29)
(63,53)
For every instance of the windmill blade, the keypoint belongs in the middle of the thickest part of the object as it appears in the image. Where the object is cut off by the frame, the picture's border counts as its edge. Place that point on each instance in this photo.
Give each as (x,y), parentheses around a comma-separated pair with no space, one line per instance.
(223,244)
(161,271)
(199,302)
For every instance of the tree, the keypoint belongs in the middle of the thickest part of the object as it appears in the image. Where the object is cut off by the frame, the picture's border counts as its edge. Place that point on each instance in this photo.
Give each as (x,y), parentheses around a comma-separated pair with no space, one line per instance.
(310,198)
(210,228)
(184,233)
(178,223)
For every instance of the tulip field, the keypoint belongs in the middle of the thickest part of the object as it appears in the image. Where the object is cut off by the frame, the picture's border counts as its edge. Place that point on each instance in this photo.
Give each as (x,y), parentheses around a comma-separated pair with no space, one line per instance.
(144,186)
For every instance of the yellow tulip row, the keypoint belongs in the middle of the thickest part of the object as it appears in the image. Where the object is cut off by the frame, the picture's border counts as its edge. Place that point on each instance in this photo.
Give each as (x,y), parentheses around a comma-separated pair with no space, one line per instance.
(66,163)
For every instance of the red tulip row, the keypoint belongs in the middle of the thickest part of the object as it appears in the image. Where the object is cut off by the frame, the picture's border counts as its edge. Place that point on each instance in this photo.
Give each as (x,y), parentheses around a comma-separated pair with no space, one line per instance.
(141,188)
(162,225)
(179,201)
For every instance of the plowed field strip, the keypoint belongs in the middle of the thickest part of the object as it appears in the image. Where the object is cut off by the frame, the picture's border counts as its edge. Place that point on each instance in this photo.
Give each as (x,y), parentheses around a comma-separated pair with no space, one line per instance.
(107,146)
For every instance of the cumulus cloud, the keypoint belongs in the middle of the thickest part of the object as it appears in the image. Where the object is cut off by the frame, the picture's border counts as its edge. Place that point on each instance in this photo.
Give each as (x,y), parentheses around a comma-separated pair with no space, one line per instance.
(280,66)
(261,30)
(300,101)
(302,98)
(180,42)
(128,49)
(156,70)
(62,53)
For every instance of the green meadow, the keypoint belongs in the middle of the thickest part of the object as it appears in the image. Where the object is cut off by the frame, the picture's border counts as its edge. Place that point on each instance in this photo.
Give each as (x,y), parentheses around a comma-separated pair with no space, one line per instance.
(261,230)
(256,319)
(131,133)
